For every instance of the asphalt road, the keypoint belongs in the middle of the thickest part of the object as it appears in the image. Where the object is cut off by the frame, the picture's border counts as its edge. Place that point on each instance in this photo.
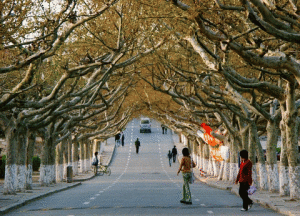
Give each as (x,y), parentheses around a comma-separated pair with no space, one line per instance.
(140,184)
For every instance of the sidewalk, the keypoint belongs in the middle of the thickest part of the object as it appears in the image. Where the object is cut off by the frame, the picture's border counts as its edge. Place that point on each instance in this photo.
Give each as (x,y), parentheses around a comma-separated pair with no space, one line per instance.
(283,205)
(10,202)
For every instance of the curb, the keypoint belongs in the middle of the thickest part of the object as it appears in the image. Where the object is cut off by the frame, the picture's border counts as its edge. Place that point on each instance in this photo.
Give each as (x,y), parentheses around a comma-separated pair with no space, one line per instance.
(6,209)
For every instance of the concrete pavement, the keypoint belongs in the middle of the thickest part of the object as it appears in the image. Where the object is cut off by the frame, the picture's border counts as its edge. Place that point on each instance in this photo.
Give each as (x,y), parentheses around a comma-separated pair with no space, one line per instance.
(283,205)
(10,202)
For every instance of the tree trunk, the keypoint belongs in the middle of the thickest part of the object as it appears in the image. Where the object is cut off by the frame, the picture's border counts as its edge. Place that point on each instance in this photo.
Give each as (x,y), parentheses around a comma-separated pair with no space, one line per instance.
(10,181)
(30,152)
(86,156)
(21,157)
(233,166)
(75,156)
(69,142)
(284,183)
(290,121)
(59,163)
(47,169)
(272,168)
(47,166)
(65,157)
(82,162)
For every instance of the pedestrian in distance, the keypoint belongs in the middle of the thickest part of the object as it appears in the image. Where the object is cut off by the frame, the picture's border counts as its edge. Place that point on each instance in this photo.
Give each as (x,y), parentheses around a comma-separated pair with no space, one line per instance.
(174,153)
(95,162)
(117,139)
(163,128)
(170,155)
(186,165)
(137,145)
(123,139)
(244,177)
(166,130)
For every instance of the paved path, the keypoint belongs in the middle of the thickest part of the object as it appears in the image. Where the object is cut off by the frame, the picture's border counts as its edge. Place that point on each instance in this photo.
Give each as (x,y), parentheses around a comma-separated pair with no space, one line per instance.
(140,184)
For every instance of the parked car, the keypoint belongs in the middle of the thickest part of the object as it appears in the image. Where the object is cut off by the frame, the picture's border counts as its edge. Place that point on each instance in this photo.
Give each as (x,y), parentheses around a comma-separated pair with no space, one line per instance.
(145,125)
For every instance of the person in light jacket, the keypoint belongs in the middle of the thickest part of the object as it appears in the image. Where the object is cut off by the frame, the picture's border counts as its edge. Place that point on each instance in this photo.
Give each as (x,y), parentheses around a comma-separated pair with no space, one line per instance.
(244,177)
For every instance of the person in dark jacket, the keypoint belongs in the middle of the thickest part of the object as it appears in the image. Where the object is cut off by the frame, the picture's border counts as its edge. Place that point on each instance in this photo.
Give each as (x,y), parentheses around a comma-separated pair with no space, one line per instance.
(170,155)
(244,177)
(174,153)
(123,138)
(137,145)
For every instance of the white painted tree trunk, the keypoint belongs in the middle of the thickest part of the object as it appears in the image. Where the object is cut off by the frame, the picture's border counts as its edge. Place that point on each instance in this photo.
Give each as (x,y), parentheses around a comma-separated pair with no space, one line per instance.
(52,174)
(59,172)
(29,172)
(82,166)
(210,167)
(216,167)
(273,178)
(10,180)
(226,171)
(21,176)
(254,175)
(45,175)
(221,170)
(75,167)
(233,171)
(263,178)
(205,165)
(65,165)
(294,174)
(284,184)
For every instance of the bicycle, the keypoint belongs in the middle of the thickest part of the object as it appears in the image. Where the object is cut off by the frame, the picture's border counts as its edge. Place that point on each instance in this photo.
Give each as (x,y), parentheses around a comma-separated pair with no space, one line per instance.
(104,169)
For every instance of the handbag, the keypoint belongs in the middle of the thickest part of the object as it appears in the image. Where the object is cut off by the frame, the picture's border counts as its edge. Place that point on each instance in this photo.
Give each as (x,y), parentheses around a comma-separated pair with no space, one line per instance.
(192,179)
(251,190)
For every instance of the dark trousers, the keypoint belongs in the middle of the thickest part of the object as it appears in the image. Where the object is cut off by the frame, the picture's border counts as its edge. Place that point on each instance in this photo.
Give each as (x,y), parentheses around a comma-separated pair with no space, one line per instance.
(137,149)
(174,158)
(170,161)
(243,191)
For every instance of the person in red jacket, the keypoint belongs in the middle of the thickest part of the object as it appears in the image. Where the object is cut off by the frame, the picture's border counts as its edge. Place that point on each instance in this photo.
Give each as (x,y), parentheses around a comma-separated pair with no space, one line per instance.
(245,179)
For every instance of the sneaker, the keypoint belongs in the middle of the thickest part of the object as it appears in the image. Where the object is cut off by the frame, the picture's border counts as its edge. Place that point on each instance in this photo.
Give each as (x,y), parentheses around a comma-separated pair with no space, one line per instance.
(244,209)
(182,201)
(189,203)
(250,206)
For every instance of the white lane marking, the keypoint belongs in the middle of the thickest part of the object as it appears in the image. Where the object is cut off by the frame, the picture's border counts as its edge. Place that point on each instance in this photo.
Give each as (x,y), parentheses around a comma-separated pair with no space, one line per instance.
(202,204)
(86,203)
(210,212)
(97,194)
(197,200)
(92,198)
(101,191)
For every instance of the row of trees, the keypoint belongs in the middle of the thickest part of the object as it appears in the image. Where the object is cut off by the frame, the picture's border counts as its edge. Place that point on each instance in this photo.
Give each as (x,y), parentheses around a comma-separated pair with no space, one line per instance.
(75,68)
(234,65)
(66,70)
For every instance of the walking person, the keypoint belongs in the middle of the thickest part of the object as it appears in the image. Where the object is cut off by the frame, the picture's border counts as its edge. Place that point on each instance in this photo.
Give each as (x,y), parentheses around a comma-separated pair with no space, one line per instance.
(186,165)
(117,139)
(95,162)
(123,138)
(174,153)
(170,155)
(137,145)
(244,177)
(163,128)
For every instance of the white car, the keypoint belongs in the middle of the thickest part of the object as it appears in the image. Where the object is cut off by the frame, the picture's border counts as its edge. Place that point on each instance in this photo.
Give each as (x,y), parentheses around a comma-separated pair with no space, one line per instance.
(145,125)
